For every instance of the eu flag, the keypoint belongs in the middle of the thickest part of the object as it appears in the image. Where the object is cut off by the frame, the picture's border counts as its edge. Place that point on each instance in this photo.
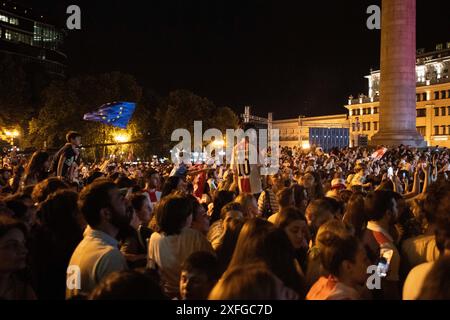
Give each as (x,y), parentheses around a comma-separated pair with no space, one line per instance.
(116,114)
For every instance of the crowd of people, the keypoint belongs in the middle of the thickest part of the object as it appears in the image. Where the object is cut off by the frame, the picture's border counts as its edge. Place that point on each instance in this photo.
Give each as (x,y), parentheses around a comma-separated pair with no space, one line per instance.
(74,230)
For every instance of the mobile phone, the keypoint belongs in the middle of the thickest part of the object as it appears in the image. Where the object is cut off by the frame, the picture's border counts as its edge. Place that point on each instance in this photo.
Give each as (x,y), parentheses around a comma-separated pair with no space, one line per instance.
(384,262)
(390,172)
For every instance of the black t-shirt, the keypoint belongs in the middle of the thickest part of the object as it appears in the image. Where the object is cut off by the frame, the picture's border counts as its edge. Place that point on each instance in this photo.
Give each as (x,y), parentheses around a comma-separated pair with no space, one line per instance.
(69,155)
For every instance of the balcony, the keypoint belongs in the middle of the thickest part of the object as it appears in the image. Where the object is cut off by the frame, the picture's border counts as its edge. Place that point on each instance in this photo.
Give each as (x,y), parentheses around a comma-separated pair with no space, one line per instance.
(364,100)
(434,81)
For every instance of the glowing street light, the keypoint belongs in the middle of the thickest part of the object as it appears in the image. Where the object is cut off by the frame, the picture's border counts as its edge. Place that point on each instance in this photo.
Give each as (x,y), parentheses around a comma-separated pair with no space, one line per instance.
(305,145)
(13,134)
(218,143)
(121,138)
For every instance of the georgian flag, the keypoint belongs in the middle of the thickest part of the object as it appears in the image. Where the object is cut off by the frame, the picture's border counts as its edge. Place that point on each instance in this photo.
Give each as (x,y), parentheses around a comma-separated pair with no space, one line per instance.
(377,155)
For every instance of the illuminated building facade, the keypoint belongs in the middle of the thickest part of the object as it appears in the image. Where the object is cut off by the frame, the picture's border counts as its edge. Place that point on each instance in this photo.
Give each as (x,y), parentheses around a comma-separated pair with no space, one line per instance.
(432,96)
(25,33)
(325,131)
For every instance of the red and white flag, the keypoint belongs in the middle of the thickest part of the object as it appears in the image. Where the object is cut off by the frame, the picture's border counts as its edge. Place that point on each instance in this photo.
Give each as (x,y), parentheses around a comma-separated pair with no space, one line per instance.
(377,155)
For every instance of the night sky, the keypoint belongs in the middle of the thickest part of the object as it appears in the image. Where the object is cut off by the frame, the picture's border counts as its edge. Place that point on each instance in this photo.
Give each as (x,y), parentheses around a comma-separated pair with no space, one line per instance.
(288,57)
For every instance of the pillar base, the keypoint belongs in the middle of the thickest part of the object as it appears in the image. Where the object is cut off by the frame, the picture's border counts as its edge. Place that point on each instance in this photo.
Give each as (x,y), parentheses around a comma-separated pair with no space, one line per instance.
(392,139)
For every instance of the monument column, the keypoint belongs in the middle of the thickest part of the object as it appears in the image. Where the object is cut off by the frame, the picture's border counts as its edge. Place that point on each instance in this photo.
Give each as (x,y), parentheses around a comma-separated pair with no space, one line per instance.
(398,75)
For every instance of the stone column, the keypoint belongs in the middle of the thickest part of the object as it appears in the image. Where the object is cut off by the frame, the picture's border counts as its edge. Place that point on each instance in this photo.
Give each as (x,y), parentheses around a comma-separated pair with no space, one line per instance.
(398,75)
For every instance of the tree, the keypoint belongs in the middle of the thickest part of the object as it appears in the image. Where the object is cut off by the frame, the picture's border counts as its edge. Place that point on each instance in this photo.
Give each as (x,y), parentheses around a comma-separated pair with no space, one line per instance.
(181,108)
(65,103)
(224,118)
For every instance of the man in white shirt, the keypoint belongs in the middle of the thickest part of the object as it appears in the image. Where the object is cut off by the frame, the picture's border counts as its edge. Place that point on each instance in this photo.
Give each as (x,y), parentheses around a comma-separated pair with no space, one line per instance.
(97,255)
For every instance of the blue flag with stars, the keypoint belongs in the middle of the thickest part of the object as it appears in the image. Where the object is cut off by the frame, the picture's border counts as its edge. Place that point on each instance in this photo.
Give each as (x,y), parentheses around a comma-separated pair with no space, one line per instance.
(116,114)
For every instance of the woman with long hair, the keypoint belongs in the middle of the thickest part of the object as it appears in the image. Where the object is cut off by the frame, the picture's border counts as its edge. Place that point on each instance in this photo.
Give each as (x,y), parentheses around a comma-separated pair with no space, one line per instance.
(259,240)
(224,251)
(354,214)
(58,233)
(37,168)
(293,222)
(174,241)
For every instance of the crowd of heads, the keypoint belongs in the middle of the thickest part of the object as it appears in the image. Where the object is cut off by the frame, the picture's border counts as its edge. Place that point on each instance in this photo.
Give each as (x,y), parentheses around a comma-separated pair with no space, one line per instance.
(160,231)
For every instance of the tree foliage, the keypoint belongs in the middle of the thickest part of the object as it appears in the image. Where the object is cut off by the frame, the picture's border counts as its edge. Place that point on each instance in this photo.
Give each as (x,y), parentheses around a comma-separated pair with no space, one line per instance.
(65,103)
(181,108)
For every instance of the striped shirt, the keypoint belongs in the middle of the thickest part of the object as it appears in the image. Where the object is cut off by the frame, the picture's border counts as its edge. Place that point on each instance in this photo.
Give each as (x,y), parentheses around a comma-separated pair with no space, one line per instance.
(267,201)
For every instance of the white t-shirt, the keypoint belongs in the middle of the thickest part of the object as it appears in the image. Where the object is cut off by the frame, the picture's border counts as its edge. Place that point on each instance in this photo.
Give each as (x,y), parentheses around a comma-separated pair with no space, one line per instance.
(97,255)
(169,252)
(419,250)
(415,280)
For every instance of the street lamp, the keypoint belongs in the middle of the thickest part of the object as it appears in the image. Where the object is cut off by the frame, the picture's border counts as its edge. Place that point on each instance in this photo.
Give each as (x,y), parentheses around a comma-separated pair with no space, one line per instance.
(120,138)
(218,143)
(12,135)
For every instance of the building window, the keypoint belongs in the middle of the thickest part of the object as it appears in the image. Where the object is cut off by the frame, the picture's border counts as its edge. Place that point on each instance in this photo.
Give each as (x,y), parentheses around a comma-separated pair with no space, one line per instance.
(364,126)
(443,111)
(375,126)
(375,110)
(443,94)
(436,130)
(436,95)
(448,127)
(436,112)
(421,113)
(424,96)
(18,37)
(448,111)
(418,97)
(368,126)
(14,21)
(443,130)
(422,131)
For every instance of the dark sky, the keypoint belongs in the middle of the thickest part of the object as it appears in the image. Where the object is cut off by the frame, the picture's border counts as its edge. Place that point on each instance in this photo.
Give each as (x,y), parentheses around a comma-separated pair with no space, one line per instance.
(288,57)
